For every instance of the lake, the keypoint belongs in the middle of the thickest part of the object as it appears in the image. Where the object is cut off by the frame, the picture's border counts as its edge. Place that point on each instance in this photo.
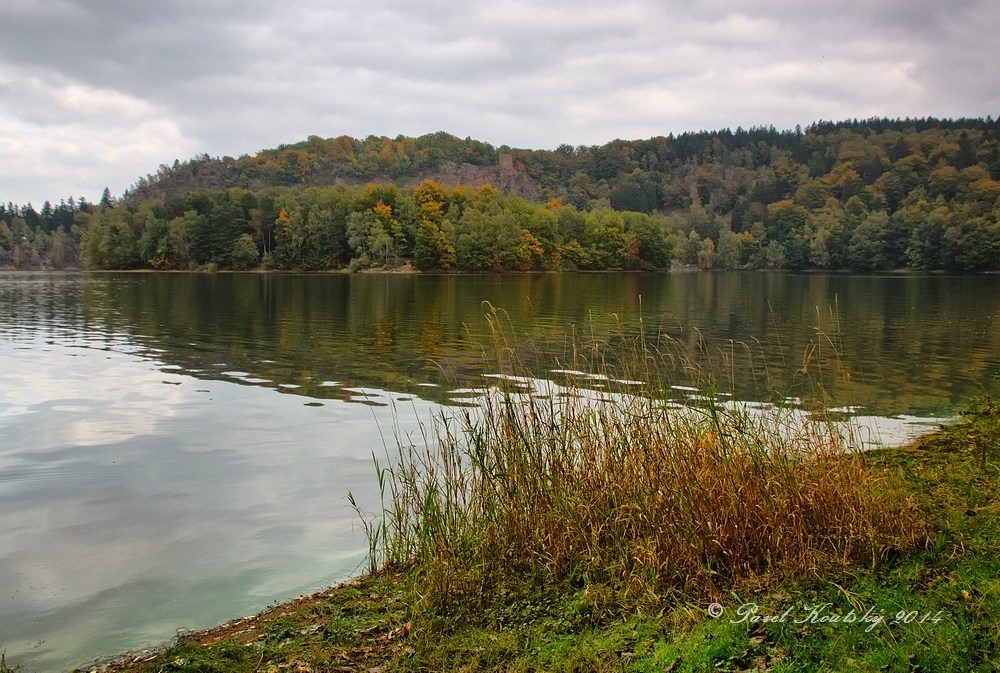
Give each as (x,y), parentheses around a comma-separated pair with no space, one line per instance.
(176,449)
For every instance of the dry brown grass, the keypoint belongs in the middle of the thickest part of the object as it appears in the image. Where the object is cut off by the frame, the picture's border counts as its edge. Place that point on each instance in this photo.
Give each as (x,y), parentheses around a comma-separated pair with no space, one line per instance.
(623,489)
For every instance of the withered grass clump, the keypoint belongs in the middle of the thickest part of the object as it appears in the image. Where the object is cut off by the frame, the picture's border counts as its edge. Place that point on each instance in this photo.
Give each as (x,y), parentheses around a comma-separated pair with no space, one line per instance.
(628,490)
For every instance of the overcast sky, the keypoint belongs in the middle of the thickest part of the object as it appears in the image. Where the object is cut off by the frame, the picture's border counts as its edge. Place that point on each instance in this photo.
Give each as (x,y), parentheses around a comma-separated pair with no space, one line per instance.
(99,92)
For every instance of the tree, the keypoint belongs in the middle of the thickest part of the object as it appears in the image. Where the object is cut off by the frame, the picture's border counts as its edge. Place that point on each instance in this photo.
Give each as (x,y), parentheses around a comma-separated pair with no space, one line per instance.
(110,241)
(784,219)
(966,152)
(607,242)
(867,248)
(6,241)
(687,251)
(432,249)
(324,241)
(289,238)
(774,256)
(245,254)
(177,251)
(978,245)
(107,201)
(926,229)
(706,255)
(734,250)
(649,247)
(475,241)
(636,192)
(366,237)
(812,194)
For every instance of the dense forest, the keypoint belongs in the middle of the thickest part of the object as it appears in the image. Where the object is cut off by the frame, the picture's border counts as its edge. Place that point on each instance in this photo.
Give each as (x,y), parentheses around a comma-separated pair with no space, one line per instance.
(49,238)
(864,195)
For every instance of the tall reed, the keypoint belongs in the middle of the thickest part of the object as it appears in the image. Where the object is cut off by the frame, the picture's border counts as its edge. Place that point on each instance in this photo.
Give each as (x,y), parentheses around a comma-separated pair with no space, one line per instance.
(619,486)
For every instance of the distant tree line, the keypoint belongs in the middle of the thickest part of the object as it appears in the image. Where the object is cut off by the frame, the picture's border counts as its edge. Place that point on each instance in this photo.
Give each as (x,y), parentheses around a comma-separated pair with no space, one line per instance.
(431,226)
(863,195)
(49,238)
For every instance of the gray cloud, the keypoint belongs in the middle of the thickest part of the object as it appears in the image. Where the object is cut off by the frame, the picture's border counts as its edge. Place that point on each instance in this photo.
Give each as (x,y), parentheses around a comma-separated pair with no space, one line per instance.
(96,92)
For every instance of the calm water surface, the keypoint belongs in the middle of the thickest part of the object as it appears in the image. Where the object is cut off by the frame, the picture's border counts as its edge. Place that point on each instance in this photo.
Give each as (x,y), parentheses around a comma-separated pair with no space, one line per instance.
(175,449)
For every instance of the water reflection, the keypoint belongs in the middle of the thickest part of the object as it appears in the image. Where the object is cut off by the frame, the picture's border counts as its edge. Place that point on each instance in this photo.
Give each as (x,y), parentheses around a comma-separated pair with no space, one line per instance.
(163,462)
(908,344)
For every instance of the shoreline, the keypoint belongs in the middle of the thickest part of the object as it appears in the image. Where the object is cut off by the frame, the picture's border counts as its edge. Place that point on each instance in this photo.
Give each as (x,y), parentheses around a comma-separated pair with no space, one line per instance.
(530,272)
(368,624)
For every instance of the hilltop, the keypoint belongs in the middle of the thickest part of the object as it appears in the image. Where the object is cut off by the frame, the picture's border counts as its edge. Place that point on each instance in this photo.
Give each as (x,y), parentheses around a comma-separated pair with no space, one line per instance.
(659,173)
(321,162)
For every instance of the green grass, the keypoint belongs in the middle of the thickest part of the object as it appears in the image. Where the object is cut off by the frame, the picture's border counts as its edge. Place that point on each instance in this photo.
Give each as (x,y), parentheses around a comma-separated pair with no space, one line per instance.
(527,622)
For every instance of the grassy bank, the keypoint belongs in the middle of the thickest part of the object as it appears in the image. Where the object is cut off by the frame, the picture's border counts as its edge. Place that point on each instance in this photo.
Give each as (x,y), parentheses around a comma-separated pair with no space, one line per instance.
(929,606)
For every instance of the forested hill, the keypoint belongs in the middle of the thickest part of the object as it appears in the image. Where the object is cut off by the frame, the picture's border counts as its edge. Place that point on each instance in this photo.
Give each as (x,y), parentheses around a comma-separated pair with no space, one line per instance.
(865,195)
(663,173)
(322,162)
